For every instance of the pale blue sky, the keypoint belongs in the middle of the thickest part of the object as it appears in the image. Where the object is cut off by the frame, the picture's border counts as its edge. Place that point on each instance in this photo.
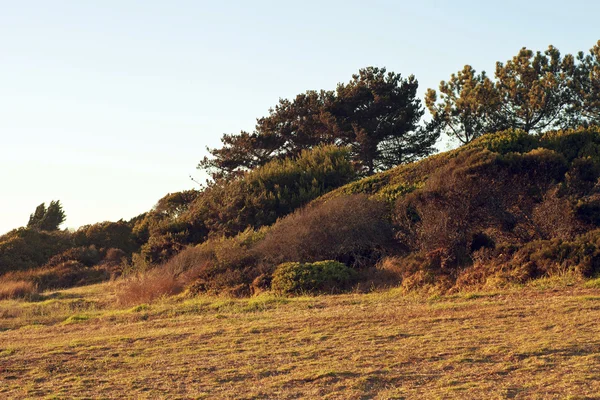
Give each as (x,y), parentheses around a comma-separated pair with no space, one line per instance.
(108,105)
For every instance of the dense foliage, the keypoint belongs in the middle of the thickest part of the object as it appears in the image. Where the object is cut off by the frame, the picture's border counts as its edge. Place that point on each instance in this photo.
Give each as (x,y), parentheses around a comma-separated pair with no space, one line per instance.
(318,277)
(376,114)
(532,92)
(47,219)
(252,200)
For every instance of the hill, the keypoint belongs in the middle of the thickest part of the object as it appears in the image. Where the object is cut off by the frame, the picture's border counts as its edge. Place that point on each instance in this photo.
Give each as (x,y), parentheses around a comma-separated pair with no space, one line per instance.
(506,208)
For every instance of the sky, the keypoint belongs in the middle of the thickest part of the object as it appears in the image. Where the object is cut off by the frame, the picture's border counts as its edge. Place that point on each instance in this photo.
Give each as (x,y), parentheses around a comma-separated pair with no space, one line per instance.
(109,105)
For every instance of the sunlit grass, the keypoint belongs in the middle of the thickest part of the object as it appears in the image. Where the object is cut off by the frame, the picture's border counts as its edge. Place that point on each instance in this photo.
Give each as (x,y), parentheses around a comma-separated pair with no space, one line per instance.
(538,341)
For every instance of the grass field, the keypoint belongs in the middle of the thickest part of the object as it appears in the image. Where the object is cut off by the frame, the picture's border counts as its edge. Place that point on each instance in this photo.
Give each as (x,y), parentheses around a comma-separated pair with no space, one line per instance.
(541,341)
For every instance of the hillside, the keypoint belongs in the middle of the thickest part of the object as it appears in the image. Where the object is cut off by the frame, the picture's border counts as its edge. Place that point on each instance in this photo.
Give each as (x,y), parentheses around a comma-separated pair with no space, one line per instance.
(506,208)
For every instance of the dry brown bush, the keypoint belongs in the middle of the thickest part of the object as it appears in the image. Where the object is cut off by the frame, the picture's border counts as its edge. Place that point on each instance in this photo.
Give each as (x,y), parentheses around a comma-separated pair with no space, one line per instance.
(64,275)
(350,229)
(17,289)
(146,287)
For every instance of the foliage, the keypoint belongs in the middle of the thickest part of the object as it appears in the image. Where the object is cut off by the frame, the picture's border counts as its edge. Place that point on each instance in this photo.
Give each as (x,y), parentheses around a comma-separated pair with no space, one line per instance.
(376,114)
(586,85)
(17,290)
(533,89)
(24,248)
(271,191)
(351,229)
(47,219)
(467,105)
(63,275)
(532,92)
(107,235)
(316,277)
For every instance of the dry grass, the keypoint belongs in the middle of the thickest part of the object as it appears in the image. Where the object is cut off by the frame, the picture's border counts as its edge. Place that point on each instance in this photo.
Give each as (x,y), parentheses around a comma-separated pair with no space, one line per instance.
(147,287)
(16,289)
(541,341)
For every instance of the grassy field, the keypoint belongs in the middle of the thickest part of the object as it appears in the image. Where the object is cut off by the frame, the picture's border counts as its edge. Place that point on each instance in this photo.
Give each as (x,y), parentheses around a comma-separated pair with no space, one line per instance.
(541,341)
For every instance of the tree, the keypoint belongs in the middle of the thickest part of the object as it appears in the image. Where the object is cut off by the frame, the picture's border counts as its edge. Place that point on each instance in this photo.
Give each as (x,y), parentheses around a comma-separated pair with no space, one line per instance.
(468,105)
(586,85)
(47,219)
(290,127)
(533,90)
(376,114)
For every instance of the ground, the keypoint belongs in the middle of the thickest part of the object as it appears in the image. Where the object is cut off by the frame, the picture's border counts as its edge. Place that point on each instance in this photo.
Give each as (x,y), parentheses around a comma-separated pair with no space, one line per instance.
(539,341)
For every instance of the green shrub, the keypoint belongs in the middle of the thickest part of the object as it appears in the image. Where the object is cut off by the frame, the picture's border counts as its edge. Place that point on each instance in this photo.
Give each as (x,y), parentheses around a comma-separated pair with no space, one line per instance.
(23,248)
(509,141)
(317,277)
(269,192)
(106,235)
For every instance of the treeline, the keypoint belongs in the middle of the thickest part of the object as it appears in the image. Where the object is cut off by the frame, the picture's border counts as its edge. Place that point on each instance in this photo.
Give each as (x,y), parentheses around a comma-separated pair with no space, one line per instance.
(379,116)
(532,92)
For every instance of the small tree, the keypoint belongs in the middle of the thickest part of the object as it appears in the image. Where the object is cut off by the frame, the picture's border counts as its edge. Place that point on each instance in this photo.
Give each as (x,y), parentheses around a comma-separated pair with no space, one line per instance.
(47,219)
(468,105)
(533,90)
(586,85)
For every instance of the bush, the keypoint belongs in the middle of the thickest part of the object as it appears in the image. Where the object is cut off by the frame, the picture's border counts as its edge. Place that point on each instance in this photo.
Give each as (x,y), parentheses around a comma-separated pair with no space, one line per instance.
(269,192)
(318,277)
(64,275)
(107,235)
(17,289)
(350,229)
(88,256)
(144,288)
(23,248)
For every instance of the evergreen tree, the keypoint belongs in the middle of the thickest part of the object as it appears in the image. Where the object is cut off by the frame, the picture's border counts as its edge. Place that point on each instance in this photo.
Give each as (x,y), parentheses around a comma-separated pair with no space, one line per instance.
(533,90)
(586,85)
(468,105)
(376,114)
(47,219)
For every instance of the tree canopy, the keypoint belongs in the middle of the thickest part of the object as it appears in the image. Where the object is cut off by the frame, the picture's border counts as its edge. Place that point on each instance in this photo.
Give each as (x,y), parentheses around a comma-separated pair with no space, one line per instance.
(376,114)
(47,219)
(532,92)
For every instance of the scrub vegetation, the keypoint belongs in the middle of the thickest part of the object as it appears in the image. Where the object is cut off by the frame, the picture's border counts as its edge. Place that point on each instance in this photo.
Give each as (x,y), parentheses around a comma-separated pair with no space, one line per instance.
(331,254)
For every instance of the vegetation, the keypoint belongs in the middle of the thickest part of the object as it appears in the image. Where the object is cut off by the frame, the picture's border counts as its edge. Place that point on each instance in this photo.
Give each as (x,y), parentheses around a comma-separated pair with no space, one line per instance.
(510,206)
(318,277)
(532,92)
(329,195)
(47,219)
(539,341)
(376,114)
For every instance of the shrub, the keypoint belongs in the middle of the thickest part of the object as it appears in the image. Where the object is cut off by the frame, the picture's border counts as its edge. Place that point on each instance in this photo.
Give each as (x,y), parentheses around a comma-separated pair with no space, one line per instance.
(317,277)
(269,192)
(17,289)
(351,229)
(88,256)
(144,288)
(107,235)
(509,141)
(64,275)
(23,248)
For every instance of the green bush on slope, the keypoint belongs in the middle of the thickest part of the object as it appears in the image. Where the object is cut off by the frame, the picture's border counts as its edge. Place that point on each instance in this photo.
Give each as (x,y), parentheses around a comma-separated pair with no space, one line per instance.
(317,277)
(256,199)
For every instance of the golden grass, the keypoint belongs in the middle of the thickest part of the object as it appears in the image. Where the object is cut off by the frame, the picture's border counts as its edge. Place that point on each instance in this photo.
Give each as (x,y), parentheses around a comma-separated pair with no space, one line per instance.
(10,289)
(534,342)
(144,288)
